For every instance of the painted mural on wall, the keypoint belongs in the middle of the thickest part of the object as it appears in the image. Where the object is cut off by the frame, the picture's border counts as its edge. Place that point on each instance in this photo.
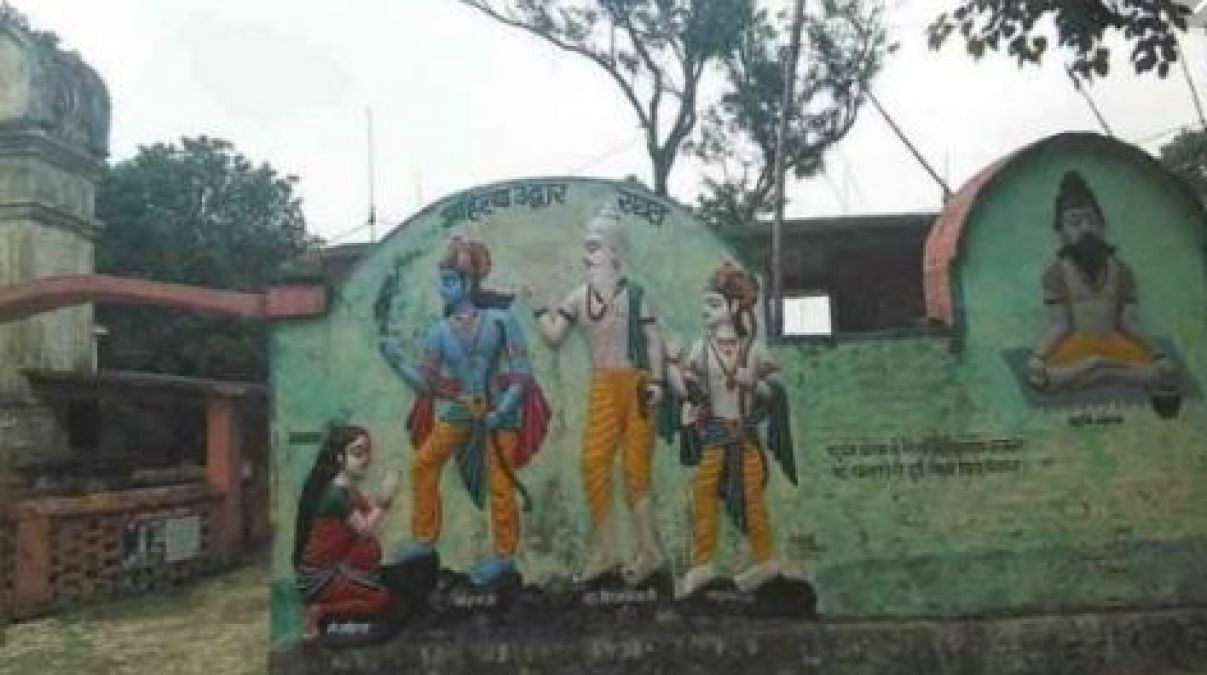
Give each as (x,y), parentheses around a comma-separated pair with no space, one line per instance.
(1093,347)
(730,388)
(476,403)
(928,476)
(627,384)
(336,550)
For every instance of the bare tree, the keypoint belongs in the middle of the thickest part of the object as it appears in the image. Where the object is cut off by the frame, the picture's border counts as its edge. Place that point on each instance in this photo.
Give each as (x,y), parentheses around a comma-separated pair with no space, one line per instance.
(844,48)
(656,52)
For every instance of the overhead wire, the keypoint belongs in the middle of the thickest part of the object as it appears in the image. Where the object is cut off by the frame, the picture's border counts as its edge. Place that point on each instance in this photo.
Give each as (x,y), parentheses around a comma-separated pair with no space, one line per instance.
(348,233)
(607,154)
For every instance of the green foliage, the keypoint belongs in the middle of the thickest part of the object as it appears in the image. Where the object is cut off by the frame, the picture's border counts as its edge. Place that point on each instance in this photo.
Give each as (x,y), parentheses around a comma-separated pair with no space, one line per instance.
(656,52)
(1150,26)
(196,213)
(843,47)
(1186,155)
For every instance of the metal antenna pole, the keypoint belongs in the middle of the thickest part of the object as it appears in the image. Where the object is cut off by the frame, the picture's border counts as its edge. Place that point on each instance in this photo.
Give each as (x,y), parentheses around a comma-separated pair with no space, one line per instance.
(1090,101)
(777,225)
(372,177)
(1194,92)
(913,150)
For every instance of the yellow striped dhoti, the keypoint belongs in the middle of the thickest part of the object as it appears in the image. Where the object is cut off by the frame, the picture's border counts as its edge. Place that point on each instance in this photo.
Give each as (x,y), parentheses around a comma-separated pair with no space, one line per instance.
(616,415)
(430,458)
(705,500)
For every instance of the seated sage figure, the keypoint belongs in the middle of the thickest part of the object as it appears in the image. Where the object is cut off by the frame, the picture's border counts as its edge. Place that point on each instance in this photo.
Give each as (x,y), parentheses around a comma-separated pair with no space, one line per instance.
(336,552)
(1093,334)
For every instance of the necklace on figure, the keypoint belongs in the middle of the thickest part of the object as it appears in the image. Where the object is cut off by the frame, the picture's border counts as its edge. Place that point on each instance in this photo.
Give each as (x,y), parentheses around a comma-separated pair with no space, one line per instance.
(601,303)
(725,351)
(467,329)
(465,322)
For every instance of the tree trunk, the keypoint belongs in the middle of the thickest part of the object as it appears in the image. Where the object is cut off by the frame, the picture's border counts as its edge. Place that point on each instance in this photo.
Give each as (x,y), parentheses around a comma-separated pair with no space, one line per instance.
(662,171)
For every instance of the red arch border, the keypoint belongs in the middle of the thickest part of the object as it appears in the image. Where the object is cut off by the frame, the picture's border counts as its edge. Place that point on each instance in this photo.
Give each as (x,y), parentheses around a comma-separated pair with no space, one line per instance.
(942,247)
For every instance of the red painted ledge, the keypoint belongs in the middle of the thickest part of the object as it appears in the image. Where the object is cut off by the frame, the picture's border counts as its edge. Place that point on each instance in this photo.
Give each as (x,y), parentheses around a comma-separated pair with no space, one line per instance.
(288,301)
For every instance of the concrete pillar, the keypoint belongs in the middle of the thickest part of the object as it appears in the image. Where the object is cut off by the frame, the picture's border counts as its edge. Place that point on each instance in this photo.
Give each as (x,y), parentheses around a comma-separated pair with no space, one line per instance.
(32,587)
(223,464)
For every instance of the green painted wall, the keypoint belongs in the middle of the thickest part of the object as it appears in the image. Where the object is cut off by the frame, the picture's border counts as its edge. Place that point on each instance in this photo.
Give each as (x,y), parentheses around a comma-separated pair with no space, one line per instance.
(326,368)
(1054,516)
(1093,515)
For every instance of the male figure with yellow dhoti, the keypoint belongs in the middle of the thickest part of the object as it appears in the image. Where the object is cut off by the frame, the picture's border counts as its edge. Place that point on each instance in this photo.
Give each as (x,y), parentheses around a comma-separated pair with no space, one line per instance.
(476,400)
(626,382)
(730,384)
(1093,335)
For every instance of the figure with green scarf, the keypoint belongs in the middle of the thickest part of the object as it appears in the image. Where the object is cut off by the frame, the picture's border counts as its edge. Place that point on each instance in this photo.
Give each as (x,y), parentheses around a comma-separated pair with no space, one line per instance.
(476,401)
(730,386)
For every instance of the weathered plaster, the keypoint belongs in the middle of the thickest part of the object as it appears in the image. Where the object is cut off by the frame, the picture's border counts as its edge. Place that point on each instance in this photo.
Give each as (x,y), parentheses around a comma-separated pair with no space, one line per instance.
(930,487)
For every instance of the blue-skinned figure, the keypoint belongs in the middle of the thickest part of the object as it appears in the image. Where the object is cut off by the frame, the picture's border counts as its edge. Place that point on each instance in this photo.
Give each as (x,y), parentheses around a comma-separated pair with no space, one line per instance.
(477,401)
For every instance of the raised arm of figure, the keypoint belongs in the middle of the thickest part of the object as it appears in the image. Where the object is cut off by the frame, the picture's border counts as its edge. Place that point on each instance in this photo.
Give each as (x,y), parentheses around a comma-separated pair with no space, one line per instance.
(389,488)
(760,371)
(674,355)
(365,524)
(695,375)
(419,377)
(653,341)
(552,326)
(553,323)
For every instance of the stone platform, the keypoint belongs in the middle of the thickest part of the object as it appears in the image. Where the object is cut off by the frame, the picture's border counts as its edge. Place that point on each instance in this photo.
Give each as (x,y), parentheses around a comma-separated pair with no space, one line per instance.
(1117,642)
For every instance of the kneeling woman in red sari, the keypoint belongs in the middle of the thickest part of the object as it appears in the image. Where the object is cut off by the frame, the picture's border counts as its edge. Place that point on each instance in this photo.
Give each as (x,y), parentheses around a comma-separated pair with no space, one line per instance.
(336,552)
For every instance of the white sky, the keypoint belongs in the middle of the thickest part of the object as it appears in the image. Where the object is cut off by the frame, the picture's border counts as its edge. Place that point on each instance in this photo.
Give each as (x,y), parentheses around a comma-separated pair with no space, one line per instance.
(458,100)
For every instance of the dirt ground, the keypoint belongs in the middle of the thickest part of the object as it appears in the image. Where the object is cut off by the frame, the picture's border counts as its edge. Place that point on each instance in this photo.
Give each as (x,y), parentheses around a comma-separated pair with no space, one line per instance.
(216,626)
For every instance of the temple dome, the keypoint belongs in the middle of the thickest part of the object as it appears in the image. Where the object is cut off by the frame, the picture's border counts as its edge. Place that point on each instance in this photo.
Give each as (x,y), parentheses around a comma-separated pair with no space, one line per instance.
(45,89)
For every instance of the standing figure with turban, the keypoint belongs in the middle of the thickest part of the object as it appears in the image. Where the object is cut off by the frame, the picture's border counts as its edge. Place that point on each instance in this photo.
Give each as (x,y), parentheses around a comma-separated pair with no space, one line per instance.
(476,401)
(626,383)
(730,386)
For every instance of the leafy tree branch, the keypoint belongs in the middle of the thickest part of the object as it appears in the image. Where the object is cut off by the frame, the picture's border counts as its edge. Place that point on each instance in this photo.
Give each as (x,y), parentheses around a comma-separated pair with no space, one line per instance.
(844,47)
(1022,30)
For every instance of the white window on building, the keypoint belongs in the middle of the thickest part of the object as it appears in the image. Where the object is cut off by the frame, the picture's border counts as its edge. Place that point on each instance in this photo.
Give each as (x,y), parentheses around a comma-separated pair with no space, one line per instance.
(808,315)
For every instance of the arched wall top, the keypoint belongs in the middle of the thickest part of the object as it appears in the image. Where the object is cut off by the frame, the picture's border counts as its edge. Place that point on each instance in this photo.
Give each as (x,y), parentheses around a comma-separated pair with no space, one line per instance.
(942,247)
(481,200)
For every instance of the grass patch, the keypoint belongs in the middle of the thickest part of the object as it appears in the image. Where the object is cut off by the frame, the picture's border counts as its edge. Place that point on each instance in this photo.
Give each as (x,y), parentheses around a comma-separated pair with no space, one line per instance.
(217,625)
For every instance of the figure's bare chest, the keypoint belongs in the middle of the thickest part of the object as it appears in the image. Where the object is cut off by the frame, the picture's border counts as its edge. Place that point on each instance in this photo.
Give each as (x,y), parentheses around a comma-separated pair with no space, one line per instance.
(605,318)
(718,364)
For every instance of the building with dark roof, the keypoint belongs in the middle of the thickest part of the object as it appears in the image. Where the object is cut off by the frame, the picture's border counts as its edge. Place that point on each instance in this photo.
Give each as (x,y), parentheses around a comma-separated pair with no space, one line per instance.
(869,266)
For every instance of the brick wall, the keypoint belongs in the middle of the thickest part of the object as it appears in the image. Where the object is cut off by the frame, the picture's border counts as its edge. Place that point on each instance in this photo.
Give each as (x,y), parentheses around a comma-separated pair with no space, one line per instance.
(110,544)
